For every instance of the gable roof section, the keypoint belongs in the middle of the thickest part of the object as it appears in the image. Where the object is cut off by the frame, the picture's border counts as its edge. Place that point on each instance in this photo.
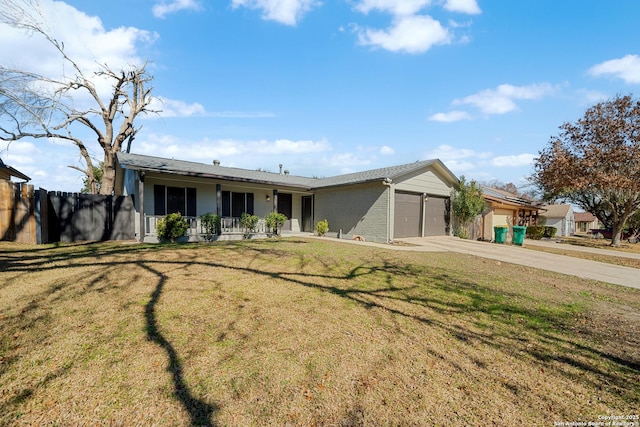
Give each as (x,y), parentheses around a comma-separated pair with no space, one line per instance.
(584,217)
(8,170)
(393,173)
(557,211)
(181,167)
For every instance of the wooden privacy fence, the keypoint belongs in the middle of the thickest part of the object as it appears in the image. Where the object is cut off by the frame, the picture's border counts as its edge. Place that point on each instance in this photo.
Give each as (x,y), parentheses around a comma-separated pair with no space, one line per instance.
(17,212)
(40,216)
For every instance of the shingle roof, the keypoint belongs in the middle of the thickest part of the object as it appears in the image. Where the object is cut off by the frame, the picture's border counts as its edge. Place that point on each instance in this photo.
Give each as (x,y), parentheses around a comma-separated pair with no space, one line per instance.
(584,217)
(391,172)
(507,197)
(181,167)
(556,211)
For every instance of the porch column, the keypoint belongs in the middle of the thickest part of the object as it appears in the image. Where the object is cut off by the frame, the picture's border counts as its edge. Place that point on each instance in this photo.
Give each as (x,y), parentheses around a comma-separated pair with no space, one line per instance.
(275,200)
(141,205)
(219,199)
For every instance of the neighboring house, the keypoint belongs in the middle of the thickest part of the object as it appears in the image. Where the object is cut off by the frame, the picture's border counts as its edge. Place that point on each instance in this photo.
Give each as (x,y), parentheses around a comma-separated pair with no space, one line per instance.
(585,222)
(503,209)
(561,217)
(410,200)
(6,172)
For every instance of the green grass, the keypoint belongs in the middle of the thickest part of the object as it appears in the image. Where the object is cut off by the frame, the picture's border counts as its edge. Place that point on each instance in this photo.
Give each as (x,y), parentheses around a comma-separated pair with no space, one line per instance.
(306,332)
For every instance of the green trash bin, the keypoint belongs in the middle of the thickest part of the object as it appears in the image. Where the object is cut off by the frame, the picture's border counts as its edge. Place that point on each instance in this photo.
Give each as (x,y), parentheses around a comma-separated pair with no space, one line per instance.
(501,234)
(518,234)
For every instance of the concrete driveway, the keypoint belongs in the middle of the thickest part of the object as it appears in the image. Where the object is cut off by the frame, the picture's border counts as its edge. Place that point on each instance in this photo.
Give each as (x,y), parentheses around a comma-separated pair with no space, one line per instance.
(586,269)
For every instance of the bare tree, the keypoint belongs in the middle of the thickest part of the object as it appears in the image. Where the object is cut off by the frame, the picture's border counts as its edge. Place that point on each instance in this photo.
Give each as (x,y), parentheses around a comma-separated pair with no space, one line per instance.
(37,106)
(595,163)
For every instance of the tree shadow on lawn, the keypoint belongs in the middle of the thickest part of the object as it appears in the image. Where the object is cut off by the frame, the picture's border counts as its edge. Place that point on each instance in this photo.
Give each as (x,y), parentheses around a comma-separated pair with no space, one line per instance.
(200,412)
(524,329)
(400,289)
(35,311)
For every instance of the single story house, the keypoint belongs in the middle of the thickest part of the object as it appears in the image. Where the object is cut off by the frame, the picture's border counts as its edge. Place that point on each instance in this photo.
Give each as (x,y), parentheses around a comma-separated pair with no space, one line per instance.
(503,209)
(585,222)
(562,218)
(410,200)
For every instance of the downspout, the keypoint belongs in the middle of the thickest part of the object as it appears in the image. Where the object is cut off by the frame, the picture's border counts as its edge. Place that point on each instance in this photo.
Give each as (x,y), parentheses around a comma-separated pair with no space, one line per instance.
(141,202)
(423,221)
(387,182)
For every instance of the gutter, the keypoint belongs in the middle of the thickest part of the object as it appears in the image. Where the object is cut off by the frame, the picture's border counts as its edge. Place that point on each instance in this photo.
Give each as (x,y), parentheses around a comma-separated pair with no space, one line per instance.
(389,183)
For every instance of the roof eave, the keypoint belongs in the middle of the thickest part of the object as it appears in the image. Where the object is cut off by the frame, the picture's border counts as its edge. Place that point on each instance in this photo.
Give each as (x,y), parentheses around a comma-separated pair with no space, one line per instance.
(213,176)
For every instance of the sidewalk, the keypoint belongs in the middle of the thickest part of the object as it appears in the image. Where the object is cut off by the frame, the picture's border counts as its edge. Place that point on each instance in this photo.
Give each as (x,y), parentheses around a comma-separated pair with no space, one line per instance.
(586,269)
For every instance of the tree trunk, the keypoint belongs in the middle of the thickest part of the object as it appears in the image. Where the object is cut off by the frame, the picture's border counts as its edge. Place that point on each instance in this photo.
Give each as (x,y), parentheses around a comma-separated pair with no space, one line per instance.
(108,176)
(616,235)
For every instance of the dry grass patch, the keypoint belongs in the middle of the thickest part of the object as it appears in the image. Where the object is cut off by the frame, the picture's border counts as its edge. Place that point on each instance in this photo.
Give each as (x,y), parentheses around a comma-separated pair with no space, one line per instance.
(564,247)
(589,242)
(306,332)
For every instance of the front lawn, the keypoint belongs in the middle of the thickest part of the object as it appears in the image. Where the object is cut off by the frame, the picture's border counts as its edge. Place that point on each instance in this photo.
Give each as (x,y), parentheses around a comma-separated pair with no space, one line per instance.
(306,332)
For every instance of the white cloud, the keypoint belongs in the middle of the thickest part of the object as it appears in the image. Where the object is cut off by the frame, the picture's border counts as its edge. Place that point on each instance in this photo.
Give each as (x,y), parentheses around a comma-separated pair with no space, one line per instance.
(395,7)
(516,160)
(176,108)
(288,12)
(349,162)
(451,116)
(409,34)
(85,40)
(386,150)
(446,153)
(501,100)
(463,6)
(589,97)
(465,160)
(169,146)
(458,167)
(626,68)
(160,10)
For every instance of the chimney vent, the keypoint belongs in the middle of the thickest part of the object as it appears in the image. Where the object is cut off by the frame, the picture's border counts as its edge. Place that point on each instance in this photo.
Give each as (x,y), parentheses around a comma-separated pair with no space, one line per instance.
(280,168)
(216,162)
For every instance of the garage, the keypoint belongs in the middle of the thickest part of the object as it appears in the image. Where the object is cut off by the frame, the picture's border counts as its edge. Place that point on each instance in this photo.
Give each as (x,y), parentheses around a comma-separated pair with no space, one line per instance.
(408,215)
(436,216)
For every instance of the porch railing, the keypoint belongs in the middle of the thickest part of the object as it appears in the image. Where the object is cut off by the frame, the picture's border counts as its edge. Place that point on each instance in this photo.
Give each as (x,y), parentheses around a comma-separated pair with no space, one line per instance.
(228,225)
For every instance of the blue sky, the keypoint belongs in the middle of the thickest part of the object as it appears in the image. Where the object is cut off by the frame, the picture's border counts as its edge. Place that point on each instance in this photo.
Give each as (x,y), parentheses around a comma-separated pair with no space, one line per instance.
(326,88)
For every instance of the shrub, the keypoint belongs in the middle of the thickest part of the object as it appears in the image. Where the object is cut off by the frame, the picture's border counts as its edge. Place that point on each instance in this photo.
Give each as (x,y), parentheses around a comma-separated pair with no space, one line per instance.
(248,222)
(211,224)
(462,232)
(535,232)
(171,226)
(467,202)
(550,232)
(274,221)
(322,227)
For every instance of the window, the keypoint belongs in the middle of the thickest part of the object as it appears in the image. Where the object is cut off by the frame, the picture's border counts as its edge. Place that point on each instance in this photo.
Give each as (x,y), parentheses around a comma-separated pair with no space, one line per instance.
(168,200)
(235,204)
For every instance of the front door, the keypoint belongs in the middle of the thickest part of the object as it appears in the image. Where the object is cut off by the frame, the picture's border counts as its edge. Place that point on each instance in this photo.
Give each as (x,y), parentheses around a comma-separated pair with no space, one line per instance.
(307,214)
(285,207)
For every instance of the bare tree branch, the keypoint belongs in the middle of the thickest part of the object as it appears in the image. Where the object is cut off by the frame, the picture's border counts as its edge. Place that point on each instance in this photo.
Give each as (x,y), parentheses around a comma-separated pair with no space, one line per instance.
(36,106)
